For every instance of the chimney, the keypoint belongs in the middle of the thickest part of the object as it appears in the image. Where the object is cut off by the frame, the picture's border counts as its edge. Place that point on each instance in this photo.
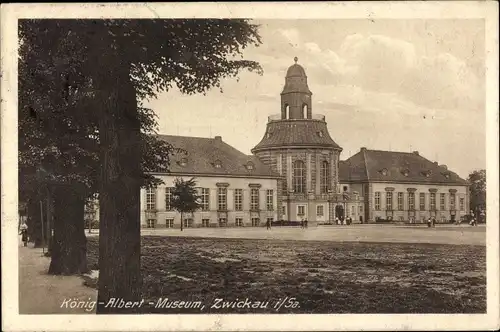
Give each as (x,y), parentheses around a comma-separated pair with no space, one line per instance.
(416,152)
(444,166)
(218,138)
(436,163)
(363,149)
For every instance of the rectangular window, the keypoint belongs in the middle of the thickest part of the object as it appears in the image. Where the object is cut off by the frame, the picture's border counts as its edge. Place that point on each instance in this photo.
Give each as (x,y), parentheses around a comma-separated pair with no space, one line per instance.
(188,223)
(388,200)
(400,201)
(377,200)
(239,222)
(151,223)
(452,201)
(205,222)
(169,223)
(411,201)
(255,222)
(151,199)
(422,201)
(270,200)
(361,209)
(254,199)
(222,199)
(442,206)
(222,222)
(301,210)
(205,199)
(433,201)
(320,210)
(284,210)
(238,199)
(462,204)
(168,198)
(353,210)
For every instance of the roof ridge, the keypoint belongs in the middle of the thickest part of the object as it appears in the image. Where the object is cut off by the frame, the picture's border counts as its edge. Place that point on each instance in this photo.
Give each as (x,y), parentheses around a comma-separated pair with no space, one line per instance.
(186,136)
(389,151)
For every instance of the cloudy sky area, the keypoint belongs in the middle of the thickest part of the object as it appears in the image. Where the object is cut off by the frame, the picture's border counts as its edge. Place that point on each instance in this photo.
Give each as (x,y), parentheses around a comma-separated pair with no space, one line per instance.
(398,85)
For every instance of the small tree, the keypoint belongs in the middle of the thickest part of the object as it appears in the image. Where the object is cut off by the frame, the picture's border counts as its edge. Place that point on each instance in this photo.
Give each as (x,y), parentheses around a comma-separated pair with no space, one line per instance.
(477,180)
(185,198)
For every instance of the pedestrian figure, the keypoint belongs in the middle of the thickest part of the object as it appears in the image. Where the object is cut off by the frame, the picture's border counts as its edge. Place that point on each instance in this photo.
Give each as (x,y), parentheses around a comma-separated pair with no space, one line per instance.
(24,234)
(268,224)
(433,222)
(337,221)
(429,221)
(302,223)
(305,223)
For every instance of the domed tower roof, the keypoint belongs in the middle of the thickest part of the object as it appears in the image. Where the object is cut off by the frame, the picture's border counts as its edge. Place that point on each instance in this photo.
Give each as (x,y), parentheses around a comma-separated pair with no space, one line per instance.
(310,133)
(296,70)
(296,79)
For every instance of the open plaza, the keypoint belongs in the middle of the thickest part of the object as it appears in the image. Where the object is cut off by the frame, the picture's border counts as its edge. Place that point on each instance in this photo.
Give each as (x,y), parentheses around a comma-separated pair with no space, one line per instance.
(325,269)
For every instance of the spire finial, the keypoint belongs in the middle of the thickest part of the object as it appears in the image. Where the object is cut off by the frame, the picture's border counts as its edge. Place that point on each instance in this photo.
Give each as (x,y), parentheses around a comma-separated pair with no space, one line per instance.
(295,59)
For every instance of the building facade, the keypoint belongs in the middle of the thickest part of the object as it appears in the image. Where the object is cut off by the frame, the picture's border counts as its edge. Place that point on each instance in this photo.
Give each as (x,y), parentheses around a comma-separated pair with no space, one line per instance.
(295,173)
(236,190)
(402,186)
(368,187)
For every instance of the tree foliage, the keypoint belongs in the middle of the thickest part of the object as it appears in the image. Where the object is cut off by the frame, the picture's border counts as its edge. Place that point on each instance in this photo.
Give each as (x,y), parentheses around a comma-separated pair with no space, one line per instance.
(477,180)
(185,198)
(82,90)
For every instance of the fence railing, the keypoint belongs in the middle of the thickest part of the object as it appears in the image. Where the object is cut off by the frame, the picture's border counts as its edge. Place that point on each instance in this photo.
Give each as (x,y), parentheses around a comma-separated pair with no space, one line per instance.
(277,117)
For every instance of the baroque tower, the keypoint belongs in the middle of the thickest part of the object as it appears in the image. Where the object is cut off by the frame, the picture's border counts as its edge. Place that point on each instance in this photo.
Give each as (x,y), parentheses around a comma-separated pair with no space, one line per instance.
(298,146)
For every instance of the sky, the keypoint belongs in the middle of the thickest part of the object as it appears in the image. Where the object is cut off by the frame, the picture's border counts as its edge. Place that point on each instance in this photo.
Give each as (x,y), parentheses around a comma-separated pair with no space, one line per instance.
(400,85)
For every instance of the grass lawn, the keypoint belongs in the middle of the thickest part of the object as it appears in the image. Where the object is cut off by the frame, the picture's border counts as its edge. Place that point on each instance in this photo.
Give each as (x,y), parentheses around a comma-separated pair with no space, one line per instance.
(323,277)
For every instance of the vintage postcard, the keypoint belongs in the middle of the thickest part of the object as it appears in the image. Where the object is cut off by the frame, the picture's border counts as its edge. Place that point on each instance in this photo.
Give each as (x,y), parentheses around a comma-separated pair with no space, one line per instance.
(250,166)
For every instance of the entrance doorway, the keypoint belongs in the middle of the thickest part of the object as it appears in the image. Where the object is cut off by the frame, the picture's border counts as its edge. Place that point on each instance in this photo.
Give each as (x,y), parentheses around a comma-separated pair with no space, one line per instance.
(339,212)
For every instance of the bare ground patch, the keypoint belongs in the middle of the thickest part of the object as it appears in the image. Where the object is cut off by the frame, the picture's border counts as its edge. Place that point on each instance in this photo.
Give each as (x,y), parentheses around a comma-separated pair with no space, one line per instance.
(325,277)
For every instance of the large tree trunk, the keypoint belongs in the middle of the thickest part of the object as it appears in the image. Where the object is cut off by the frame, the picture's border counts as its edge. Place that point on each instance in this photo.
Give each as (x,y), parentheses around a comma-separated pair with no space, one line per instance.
(34,222)
(119,194)
(69,247)
(49,221)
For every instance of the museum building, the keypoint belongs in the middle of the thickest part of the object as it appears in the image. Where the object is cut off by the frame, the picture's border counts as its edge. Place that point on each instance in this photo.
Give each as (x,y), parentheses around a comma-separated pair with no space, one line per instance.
(296,173)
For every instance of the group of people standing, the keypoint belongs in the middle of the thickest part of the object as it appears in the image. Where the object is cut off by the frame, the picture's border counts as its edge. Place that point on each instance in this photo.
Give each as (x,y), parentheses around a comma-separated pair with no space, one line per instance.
(343,221)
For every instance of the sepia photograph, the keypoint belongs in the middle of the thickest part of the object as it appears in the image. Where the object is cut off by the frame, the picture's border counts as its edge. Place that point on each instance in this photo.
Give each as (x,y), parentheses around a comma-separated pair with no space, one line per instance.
(169,165)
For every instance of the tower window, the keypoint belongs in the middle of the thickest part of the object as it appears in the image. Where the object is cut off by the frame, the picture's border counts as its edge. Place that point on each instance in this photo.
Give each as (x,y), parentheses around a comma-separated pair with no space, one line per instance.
(299,176)
(304,111)
(286,114)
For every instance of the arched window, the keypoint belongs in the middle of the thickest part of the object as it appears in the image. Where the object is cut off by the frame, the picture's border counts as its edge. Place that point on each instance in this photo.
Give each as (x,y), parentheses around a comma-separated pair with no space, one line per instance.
(299,177)
(286,114)
(304,111)
(325,177)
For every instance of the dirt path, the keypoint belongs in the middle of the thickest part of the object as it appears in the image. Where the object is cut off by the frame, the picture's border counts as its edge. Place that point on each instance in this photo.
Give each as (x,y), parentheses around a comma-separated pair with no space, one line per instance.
(465,235)
(40,293)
